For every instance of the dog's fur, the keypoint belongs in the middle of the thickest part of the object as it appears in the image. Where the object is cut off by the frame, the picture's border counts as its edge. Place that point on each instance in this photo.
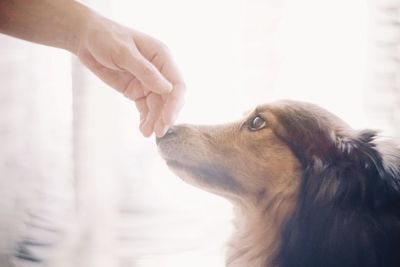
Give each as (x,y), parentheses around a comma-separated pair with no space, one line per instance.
(308,190)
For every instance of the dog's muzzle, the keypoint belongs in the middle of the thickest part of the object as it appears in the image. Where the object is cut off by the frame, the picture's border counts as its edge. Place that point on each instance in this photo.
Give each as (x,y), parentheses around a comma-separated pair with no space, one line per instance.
(170,133)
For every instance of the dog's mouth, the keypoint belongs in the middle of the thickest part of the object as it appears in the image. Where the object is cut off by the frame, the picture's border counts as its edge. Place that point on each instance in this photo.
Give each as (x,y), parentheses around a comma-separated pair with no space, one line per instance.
(176,164)
(203,172)
(207,176)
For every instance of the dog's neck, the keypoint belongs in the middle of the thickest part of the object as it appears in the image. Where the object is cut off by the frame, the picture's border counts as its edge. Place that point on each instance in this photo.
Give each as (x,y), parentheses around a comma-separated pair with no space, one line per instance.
(257,236)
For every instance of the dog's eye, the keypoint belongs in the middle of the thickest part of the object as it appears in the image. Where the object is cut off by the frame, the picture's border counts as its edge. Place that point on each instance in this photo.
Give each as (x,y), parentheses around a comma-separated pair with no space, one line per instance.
(257,123)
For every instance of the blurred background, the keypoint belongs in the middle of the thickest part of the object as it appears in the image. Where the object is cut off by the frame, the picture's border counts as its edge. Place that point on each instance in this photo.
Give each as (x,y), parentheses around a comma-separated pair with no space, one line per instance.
(79,186)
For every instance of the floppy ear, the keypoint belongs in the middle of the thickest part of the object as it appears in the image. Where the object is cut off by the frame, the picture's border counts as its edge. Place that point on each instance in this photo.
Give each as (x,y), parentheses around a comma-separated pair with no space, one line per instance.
(349,203)
(371,166)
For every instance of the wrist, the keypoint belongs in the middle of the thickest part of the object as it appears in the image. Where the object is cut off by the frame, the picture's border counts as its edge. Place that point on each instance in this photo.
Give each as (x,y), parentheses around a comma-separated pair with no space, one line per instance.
(79,21)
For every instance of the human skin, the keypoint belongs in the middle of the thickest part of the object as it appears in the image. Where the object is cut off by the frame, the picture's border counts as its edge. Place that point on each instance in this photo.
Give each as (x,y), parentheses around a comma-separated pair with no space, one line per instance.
(133,63)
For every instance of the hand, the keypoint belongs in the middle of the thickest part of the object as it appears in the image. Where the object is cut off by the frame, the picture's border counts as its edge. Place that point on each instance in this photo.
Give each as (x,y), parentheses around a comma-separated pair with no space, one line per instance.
(136,65)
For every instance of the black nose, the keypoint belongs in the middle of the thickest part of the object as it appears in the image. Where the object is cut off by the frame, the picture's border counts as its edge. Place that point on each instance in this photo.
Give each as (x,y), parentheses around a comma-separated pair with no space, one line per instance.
(171,131)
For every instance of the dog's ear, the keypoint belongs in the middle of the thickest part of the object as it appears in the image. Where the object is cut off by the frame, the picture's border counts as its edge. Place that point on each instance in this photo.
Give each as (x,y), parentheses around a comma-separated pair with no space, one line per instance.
(349,203)
(389,152)
(369,167)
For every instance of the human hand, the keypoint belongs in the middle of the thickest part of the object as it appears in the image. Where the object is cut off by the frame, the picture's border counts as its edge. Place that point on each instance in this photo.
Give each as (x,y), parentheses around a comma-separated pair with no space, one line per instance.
(138,66)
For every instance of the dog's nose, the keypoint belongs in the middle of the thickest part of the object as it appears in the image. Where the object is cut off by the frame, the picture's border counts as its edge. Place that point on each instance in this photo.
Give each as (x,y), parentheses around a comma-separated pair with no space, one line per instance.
(171,131)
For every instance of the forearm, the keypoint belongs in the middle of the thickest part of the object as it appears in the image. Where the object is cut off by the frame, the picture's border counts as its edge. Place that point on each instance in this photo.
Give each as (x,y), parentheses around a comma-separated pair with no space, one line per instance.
(57,23)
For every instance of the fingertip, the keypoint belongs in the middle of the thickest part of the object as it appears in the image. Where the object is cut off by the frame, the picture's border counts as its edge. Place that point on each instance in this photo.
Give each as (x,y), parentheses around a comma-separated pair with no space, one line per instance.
(169,114)
(142,120)
(173,106)
(164,130)
(146,129)
(158,128)
(159,87)
(165,87)
(146,72)
(146,133)
(169,119)
(161,128)
(157,83)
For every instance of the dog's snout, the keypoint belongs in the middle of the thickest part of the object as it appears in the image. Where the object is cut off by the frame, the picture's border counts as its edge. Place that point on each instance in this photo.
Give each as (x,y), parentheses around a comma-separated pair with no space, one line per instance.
(171,131)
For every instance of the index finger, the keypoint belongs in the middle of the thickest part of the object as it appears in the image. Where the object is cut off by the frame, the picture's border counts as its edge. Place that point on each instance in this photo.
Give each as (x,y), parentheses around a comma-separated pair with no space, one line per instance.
(130,59)
(175,99)
(173,104)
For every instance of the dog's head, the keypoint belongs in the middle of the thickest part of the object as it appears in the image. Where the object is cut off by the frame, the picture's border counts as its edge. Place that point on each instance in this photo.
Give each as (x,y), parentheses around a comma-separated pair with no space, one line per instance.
(338,188)
(241,161)
(267,152)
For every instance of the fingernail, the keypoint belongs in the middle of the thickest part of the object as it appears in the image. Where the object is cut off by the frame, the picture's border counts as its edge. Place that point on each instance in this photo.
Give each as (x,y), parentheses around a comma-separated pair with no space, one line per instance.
(142,120)
(168,120)
(172,119)
(145,129)
(164,130)
(161,130)
(141,126)
(141,123)
(168,86)
(146,132)
(157,131)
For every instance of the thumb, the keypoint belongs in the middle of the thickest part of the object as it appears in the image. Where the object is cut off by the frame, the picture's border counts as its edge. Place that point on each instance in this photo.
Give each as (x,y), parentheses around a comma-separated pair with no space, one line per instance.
(144,71)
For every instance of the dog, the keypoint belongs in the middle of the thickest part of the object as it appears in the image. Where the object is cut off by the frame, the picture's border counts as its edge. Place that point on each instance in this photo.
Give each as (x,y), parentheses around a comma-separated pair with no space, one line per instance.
(307,189)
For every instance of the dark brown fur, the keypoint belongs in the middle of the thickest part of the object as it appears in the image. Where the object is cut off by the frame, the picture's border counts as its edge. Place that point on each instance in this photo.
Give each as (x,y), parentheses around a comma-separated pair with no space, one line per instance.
(266,174)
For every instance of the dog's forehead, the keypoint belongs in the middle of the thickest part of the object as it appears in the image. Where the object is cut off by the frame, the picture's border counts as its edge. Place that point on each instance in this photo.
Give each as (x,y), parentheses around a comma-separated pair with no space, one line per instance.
(289,108)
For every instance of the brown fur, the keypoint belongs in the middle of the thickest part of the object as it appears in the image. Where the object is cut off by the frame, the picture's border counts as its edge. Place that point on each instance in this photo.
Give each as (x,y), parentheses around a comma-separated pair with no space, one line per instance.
(256,170)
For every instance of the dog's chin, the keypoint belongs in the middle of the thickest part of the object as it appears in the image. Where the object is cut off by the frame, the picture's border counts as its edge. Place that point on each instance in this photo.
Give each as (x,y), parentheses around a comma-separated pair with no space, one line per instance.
(207,177)
(188,173)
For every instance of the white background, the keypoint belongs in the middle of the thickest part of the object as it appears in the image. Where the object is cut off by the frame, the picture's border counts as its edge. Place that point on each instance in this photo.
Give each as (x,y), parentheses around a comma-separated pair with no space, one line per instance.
(76,173)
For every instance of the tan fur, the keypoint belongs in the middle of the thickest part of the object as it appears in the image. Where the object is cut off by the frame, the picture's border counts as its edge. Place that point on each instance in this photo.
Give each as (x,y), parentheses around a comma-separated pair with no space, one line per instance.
(255,170)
